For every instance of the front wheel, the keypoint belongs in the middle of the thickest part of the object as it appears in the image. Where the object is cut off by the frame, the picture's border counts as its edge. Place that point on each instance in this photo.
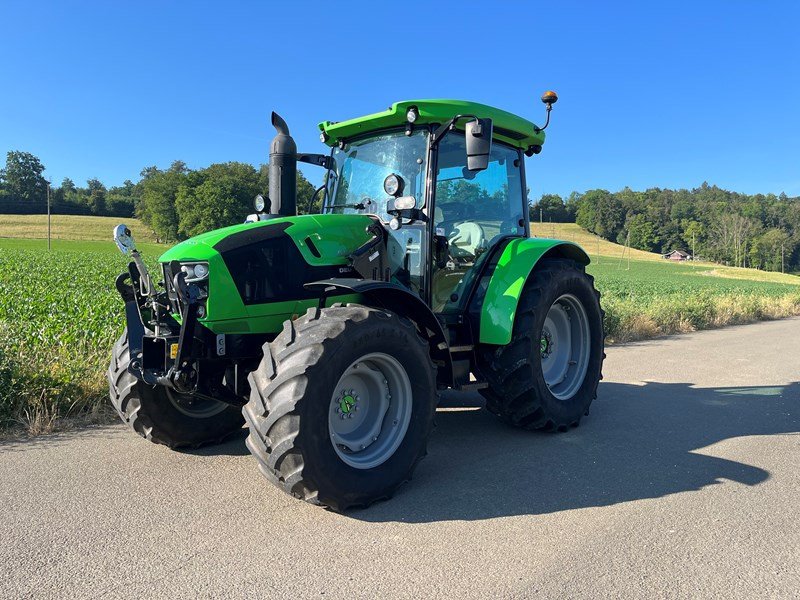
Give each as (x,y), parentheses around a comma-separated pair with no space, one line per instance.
(547,376)
(163,416)
(342,405)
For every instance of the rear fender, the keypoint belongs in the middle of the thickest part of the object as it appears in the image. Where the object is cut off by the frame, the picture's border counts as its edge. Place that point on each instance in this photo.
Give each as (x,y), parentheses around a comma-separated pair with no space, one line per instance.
(399,300)
(517,261)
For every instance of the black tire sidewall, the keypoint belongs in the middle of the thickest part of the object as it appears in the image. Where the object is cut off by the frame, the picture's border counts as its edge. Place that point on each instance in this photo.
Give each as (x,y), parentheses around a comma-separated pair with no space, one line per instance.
(322,465)
(167,425)
(577,283)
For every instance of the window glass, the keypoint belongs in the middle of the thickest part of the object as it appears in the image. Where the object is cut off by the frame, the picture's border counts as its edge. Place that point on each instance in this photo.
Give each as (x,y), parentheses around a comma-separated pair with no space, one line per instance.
(360,170)
(363,165)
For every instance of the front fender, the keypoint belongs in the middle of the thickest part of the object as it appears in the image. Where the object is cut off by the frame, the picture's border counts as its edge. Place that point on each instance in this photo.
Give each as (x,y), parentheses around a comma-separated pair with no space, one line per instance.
(515,264)
(396,298)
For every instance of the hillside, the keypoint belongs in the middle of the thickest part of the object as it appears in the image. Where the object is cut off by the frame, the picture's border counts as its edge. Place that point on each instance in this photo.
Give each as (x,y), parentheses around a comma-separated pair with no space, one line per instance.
(593,244)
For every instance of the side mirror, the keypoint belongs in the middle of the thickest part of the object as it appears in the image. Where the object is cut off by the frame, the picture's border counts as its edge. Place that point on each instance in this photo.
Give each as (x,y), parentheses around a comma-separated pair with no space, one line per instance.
(124,239)
(479,143)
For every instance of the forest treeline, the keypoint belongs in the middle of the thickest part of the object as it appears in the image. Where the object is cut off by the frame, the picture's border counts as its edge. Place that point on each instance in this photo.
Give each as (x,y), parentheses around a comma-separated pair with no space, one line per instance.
(176,202)
(757,230)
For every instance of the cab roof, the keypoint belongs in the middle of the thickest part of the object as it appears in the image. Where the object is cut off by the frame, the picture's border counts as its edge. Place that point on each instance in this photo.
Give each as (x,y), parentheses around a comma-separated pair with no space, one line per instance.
(508,128)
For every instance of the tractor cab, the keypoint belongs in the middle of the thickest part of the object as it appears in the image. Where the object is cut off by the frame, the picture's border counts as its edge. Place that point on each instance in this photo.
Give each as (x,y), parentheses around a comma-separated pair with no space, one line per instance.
(446,180)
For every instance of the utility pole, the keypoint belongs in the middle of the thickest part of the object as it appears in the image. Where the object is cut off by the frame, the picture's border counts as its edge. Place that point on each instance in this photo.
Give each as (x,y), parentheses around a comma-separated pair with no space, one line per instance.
(782,257)
(48,215)
(694,254)
(540,214)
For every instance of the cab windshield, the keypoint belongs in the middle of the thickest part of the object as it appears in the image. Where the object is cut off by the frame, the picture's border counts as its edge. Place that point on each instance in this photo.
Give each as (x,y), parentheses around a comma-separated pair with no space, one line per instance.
(361,167)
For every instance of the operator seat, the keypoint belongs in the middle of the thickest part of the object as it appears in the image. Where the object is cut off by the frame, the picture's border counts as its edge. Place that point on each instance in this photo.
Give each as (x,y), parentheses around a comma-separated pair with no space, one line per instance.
(466,240)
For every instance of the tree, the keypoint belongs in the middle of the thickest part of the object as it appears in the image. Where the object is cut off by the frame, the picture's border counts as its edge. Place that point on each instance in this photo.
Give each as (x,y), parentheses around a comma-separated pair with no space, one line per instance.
(640,232)
(571,205)
(157,206)
(121,200)
(97,196)
(219,195)
(602,213)
(22,176)
(550,208)
(692,234)
(771,250)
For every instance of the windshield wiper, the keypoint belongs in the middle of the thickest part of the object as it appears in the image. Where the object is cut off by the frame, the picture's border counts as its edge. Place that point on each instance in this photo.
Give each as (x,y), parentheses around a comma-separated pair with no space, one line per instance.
(359,206)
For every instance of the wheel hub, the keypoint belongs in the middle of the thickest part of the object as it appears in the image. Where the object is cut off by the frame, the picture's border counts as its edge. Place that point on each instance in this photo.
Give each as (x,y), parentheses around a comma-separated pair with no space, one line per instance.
(546,344)
(564,346)
(347,404)
(370,410)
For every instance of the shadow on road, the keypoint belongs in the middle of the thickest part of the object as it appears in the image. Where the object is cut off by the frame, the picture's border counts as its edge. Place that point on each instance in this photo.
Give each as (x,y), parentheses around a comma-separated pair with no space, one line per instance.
(639,442)
(232,446)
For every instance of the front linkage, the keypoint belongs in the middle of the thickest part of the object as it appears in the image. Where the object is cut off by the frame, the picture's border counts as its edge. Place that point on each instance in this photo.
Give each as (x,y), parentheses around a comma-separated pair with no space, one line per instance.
(169,352)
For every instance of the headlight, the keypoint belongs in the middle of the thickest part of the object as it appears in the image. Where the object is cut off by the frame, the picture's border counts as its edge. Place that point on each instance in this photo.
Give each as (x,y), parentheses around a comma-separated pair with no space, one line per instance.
(260,203)
(412,114)
(393,185)
(195,271)
(201,271)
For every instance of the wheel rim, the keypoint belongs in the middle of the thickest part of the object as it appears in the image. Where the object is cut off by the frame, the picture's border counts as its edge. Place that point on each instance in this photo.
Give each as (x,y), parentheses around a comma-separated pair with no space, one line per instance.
(197,408)
(370,410)
(564,347)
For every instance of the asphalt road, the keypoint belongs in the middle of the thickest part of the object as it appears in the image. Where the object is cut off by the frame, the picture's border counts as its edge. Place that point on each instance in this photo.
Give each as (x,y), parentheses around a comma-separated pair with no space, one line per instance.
(683,482)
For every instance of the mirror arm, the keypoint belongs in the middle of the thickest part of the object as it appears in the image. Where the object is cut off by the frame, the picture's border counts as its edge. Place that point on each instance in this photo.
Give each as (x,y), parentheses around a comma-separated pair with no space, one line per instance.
(321,160)
(443,129)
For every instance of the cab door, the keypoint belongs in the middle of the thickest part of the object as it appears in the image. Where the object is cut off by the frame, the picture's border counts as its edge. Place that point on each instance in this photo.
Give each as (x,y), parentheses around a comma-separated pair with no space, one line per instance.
(473,211)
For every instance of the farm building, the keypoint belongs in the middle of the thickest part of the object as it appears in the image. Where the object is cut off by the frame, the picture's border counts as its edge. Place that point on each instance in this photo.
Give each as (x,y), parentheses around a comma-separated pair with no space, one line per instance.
(677,255)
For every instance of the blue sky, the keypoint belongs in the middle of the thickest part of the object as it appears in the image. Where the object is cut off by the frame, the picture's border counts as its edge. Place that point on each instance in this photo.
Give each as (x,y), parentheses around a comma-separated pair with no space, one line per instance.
(669,96)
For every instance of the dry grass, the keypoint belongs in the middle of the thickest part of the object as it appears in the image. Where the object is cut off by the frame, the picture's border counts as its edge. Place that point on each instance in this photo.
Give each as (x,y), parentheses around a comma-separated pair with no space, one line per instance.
(70,227)
(748,274)
(631,323)
(594,245)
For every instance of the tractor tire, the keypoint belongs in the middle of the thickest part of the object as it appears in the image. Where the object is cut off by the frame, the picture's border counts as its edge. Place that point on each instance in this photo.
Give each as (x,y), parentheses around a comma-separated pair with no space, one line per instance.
(163,416)
(342,405)
(547,376)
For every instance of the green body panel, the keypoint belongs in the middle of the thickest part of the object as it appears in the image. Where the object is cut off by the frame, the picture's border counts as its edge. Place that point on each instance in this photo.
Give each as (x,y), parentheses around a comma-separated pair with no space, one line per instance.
(335,237)
(508,127)
(516,263)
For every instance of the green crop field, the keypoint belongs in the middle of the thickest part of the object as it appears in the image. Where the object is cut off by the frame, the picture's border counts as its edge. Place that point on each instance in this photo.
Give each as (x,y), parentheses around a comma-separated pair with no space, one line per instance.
(60,314)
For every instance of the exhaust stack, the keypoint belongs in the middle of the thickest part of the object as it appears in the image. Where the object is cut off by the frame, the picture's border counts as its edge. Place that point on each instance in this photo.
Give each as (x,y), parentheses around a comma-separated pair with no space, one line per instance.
(282,171)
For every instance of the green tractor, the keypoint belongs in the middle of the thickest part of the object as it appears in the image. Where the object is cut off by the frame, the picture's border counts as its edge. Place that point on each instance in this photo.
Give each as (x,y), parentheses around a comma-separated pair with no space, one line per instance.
(332,334)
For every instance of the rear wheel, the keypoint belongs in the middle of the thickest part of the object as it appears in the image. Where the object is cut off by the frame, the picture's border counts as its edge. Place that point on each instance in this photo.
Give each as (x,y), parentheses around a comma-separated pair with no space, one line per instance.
(342,405)
(162,415)
(547,376)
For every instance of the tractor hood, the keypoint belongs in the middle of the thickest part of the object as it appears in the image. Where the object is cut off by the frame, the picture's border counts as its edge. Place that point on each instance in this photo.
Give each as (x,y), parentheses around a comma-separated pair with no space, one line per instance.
(257,271)
(321,239)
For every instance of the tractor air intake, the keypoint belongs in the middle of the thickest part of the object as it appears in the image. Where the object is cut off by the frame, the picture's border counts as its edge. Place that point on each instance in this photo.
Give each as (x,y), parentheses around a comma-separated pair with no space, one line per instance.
(282,170)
